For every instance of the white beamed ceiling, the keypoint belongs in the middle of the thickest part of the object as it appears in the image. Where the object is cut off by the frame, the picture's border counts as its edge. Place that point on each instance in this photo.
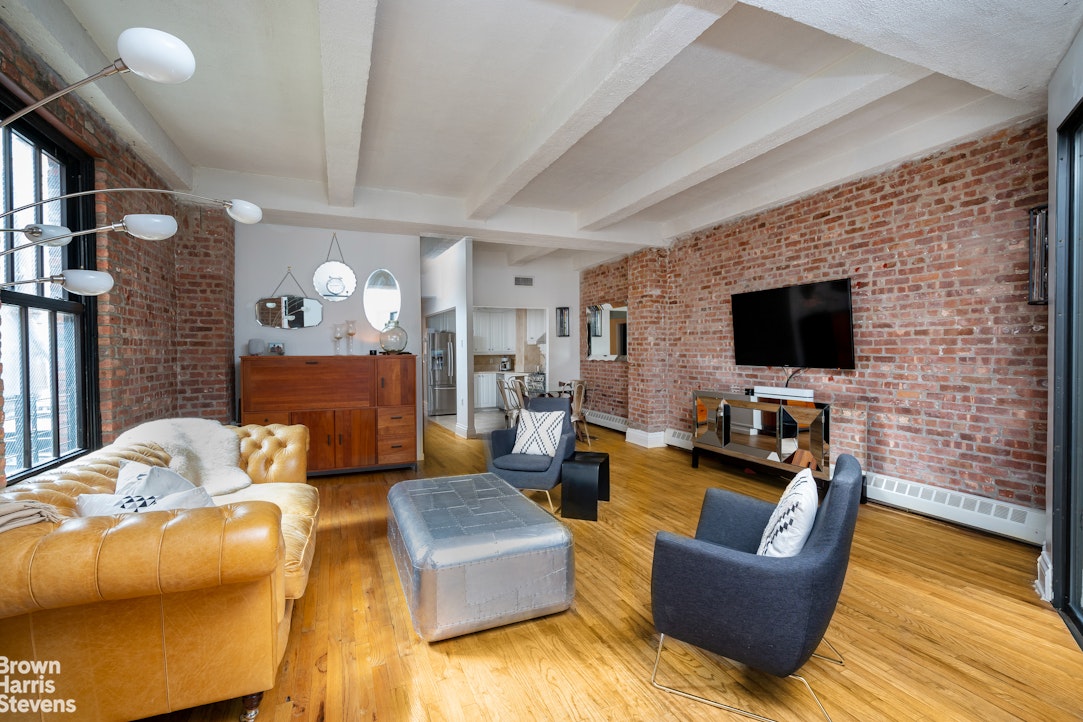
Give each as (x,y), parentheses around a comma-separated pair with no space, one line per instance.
(590,128)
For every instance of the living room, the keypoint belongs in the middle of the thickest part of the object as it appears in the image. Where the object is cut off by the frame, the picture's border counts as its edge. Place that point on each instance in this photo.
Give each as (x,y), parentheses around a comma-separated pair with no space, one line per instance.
(952,394)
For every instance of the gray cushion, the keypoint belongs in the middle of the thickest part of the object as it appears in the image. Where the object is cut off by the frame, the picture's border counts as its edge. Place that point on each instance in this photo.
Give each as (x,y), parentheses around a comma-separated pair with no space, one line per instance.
(523,462)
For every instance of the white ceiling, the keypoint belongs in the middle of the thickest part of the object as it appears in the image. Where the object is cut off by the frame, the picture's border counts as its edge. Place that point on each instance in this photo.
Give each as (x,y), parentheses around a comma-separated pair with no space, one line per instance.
(590,128)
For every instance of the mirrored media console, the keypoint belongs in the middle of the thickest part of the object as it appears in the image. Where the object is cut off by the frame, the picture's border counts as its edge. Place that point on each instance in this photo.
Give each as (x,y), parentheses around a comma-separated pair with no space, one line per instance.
(784,434)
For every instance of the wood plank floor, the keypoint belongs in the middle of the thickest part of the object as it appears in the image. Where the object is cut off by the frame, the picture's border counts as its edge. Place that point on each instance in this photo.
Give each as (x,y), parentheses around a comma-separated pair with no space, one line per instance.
(935,622)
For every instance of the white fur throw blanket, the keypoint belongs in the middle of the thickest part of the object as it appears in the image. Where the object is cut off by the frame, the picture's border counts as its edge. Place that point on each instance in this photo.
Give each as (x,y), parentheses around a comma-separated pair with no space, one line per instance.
(203,451)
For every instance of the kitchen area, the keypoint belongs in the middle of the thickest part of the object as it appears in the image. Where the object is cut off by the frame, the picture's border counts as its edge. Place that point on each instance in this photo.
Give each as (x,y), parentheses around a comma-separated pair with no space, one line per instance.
(507,342)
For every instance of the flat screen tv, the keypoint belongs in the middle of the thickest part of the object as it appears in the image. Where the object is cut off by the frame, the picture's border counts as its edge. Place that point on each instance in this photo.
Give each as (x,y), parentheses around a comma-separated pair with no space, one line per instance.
(804,326)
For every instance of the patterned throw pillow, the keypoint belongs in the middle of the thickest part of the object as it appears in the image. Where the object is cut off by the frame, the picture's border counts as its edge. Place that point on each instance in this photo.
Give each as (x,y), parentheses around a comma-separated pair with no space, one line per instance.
(791,522)
(144,488)
(538,432)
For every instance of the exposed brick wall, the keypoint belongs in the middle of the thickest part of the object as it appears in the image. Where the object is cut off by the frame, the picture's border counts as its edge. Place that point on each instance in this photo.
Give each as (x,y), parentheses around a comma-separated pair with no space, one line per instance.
(165,331)
(951,378)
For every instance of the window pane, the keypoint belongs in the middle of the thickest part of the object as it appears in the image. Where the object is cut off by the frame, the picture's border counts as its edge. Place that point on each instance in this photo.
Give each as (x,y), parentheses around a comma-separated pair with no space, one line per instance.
(52,184)
(69,360)
(42,401)
(14,402)
(24,188)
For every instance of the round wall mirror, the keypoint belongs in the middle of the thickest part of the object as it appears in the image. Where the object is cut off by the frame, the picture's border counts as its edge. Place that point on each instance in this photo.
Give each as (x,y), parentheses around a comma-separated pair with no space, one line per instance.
(382,298)
(334,281)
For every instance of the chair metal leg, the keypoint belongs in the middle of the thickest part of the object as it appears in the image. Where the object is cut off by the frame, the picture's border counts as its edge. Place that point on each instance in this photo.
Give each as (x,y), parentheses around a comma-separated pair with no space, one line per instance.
(722,705)
(840,661)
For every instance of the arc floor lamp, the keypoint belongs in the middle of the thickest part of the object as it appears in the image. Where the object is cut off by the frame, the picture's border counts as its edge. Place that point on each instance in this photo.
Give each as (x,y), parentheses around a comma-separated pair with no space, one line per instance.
(150,54)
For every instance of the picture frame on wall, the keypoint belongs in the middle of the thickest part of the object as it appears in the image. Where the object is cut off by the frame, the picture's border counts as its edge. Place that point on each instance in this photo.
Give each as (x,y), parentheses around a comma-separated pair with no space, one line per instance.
(563,327)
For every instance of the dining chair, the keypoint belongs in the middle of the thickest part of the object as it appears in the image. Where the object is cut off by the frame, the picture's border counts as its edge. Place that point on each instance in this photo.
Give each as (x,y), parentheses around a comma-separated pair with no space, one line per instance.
(579,417)
(511,400)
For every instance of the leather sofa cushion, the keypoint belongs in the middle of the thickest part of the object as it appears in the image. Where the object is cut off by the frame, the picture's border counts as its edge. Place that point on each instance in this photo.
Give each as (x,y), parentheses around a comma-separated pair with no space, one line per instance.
(300,505)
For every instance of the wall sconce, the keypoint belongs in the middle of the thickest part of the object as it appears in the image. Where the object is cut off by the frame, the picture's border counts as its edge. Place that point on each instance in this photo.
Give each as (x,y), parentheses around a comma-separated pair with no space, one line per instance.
(150,54)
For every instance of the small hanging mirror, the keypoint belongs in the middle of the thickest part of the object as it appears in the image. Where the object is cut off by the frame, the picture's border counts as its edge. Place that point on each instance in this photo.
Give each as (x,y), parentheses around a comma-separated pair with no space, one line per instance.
(288,311)
(334,280)
(382,298)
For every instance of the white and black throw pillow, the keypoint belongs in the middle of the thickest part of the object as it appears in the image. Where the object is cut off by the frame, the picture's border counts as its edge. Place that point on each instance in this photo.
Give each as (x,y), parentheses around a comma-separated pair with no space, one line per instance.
(144,488)
(538,432)
(791,522)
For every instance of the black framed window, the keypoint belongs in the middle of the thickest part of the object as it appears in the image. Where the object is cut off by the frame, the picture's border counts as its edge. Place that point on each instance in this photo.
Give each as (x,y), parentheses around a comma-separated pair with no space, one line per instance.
(1067,491)
(48,340)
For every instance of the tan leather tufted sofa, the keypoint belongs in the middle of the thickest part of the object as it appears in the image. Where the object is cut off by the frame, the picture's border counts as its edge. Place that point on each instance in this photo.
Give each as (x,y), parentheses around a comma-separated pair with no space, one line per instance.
(140,614)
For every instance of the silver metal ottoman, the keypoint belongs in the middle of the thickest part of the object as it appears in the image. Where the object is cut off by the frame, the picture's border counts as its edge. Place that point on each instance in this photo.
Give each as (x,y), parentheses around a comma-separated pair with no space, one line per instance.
(473,553)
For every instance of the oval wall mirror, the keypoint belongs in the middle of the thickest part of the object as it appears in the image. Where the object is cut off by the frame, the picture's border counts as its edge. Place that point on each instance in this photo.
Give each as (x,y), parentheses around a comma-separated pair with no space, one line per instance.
(334,281)
(289,312)
(381,298)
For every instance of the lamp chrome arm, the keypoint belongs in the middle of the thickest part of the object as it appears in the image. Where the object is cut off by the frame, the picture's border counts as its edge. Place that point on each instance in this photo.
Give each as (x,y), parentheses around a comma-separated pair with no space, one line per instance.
(148,227)
(238,210)
(149,53)
(74,280)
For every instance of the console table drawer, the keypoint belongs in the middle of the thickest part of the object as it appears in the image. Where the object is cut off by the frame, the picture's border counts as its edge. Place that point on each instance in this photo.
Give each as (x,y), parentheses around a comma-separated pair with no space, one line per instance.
(396,421)
(396,449)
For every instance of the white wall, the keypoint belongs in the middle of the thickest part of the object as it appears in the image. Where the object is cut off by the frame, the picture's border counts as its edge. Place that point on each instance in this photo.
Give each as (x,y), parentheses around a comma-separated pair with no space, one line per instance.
(265,252)
(556,283)
(447,285)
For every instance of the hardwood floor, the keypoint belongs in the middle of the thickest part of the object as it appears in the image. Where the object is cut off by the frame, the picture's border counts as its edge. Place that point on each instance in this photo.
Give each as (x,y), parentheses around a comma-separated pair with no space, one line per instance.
(935,622)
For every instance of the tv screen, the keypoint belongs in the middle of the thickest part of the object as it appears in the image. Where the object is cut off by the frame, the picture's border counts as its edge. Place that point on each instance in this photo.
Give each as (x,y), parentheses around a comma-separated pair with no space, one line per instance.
(804,326)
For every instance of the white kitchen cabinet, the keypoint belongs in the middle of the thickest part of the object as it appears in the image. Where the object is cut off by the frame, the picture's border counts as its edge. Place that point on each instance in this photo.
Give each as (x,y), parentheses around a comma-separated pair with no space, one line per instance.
(494,331)
(535,324)
(485,393)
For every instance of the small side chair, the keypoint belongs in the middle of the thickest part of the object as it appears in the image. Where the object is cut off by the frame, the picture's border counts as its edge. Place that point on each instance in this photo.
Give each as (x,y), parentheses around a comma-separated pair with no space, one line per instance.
(533,472)
(770,613)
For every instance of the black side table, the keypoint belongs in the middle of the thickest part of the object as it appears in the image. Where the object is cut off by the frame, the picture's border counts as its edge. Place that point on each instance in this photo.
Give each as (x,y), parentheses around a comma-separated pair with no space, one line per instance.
(584,480)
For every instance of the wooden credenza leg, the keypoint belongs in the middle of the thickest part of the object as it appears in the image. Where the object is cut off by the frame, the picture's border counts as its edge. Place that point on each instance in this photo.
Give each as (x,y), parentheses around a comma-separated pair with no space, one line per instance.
(250,706)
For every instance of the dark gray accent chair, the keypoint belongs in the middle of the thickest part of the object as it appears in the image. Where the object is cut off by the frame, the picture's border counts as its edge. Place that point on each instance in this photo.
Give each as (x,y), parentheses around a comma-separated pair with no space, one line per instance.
(769,613)
(532,471)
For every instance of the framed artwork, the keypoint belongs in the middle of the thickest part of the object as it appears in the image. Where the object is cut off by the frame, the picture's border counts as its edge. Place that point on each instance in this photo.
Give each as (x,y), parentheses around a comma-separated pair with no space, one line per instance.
(563,328)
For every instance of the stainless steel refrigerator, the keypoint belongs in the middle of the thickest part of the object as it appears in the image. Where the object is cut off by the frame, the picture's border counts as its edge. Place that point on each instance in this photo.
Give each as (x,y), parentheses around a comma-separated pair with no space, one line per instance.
(441,362)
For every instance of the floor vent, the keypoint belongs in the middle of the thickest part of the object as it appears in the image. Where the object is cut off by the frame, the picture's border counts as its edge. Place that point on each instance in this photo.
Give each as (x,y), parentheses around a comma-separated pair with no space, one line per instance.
(998,517)
(609,421)
(524,280)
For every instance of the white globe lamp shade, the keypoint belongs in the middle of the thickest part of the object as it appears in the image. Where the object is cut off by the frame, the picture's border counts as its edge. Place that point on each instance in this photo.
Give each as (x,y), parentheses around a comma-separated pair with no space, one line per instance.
(85,283)
(48,235)
(244,212)
(156,55)
(149,226)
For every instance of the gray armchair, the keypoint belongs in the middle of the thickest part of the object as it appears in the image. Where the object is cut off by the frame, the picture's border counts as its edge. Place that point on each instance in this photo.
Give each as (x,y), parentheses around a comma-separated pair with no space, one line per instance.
(532,471)
(769,613)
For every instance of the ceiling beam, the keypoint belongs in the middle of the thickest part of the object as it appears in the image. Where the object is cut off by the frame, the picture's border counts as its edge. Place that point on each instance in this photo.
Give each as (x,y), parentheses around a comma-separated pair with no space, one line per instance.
(523,255)
(969,119)
(346,31)
(956,39)
(644,42)
(860,78)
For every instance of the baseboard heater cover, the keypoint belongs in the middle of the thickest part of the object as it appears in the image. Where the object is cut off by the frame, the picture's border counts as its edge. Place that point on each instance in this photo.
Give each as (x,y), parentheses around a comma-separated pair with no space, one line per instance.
(979,512)
(609,421)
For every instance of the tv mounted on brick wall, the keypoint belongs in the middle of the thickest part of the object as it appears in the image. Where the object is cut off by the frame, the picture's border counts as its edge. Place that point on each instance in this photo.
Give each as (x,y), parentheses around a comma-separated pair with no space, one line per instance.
(804,326)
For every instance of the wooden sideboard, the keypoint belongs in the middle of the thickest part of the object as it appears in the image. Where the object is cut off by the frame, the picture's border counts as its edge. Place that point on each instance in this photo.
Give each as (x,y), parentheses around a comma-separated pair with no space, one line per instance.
(361,411)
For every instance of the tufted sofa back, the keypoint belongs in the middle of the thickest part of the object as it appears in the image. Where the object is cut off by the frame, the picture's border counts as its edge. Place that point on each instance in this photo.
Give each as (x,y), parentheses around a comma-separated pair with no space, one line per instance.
(274,453)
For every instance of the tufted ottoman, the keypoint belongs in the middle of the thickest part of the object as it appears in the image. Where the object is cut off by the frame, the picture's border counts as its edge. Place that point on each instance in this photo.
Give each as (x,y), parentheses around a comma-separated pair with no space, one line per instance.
(473,553)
